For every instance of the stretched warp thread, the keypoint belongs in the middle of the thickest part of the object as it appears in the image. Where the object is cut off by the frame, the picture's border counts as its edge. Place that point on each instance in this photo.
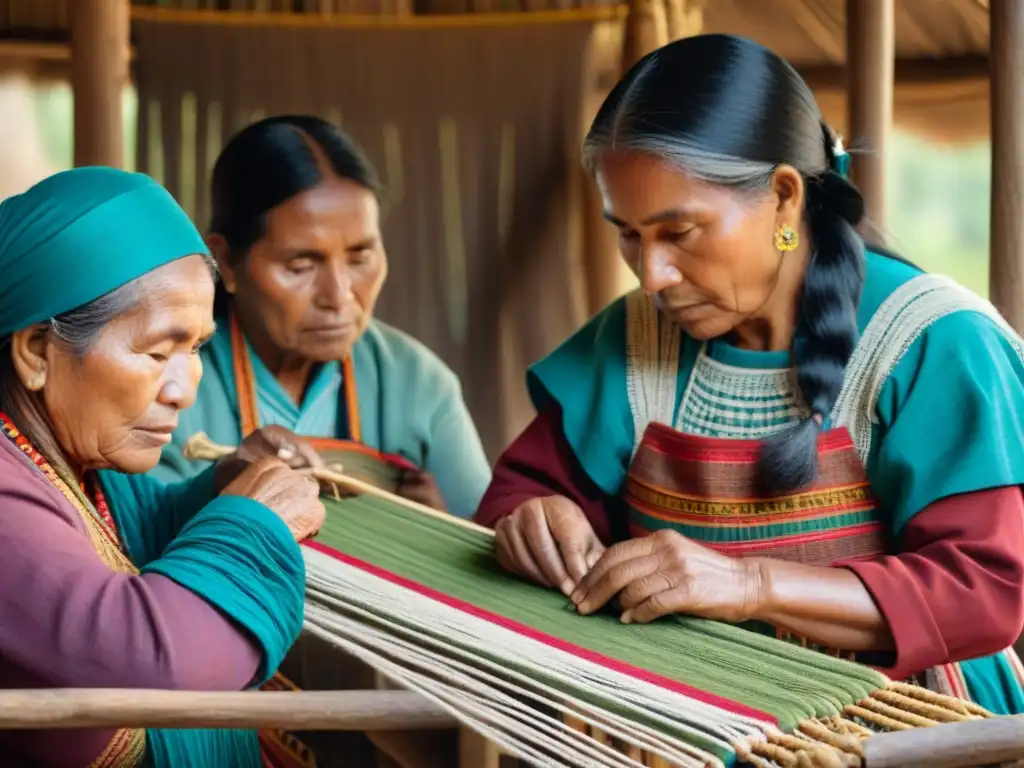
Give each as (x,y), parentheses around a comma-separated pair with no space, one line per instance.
(420,597)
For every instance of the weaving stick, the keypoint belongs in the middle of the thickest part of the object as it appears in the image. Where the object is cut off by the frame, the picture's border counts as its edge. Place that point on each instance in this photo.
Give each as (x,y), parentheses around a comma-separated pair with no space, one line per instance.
(201,448)
(993,741)
(313,710)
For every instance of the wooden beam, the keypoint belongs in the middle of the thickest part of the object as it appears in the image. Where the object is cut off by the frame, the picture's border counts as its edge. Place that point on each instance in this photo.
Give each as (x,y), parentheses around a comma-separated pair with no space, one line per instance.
(305,710)
(905,72)
(1006,272)
(870,57)
(995,741)
(99,74)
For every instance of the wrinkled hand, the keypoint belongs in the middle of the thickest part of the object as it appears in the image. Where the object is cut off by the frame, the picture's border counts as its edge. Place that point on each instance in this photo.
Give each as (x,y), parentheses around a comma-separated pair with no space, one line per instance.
(273,441)
(419,485)
(668,573)
(293,496)
(549,541)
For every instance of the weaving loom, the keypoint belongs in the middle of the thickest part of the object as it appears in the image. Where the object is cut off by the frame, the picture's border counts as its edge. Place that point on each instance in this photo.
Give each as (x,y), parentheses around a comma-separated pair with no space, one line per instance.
(419,596)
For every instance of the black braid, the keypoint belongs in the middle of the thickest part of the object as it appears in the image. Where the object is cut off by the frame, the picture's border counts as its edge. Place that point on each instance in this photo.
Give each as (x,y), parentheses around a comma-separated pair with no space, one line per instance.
(728,111)
(827,330)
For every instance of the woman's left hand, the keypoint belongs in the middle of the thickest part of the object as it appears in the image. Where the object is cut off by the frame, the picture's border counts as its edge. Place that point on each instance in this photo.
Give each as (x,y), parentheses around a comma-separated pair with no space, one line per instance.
(273,442)
(419,485)
(667,573)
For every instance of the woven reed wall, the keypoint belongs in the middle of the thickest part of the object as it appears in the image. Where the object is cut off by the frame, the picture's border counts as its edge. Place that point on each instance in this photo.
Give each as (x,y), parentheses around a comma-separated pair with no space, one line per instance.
(476,134)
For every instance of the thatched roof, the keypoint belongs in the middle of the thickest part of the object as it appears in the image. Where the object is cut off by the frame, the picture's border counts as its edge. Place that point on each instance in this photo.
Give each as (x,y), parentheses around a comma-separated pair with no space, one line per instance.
(941,45)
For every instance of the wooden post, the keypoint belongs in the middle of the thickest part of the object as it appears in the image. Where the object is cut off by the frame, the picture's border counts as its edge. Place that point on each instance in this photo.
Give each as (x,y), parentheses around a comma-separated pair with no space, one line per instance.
(1006,60)
(99,73)
(647,28)
(870,68)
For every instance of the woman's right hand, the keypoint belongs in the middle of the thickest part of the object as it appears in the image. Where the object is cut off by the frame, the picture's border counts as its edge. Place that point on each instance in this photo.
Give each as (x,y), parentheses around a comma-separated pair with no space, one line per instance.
(548,540)
(291,495)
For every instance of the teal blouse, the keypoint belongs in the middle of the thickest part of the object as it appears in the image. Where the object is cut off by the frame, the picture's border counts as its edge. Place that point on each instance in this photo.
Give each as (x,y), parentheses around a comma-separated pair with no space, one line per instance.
(410,404)
(237,555)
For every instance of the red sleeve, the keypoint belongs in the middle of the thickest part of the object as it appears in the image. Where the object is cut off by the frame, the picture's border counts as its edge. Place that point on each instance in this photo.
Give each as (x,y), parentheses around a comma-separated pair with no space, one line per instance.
(954,592)
(540,462)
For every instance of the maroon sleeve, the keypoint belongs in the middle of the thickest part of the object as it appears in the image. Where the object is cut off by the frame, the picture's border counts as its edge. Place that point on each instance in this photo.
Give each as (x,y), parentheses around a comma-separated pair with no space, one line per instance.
(540,462)
(954,591)
(69,621)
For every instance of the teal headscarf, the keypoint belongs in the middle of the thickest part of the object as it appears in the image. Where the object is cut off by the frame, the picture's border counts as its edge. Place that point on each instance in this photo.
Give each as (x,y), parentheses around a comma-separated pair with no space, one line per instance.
(80,234)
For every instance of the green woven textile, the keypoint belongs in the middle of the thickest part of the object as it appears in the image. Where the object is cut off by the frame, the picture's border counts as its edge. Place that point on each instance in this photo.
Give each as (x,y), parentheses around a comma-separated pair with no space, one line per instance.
(784,680)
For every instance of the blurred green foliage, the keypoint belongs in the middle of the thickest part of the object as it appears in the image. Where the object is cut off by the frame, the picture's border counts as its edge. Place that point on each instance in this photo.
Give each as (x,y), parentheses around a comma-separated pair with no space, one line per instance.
(938,207)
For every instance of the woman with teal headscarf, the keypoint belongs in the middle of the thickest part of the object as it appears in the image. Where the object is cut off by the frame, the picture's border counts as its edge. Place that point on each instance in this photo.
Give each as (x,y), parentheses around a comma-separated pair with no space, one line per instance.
(109,579)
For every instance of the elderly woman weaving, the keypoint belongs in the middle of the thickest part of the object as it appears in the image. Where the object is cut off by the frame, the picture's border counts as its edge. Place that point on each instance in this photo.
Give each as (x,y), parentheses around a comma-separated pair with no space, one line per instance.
(110,579)
(296,230)
(781,428)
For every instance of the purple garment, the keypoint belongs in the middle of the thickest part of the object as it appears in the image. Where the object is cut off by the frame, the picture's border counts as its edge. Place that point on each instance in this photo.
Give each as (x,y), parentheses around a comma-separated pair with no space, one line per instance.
(68,621)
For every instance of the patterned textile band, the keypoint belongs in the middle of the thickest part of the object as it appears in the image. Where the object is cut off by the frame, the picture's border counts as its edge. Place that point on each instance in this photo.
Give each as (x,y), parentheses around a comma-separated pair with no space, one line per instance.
(706,488)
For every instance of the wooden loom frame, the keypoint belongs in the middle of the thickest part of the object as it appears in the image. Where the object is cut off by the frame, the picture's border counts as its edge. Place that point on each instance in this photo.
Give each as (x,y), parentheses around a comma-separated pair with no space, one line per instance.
(956,745)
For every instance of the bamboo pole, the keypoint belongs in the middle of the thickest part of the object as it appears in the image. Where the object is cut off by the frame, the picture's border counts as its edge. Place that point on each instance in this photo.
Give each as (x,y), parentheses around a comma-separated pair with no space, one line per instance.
(301,710)
(200,448)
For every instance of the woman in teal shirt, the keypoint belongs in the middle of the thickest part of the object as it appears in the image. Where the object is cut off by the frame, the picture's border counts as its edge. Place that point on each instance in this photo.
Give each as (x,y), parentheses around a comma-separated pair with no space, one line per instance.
(296,234)
(108,578)
(781,429)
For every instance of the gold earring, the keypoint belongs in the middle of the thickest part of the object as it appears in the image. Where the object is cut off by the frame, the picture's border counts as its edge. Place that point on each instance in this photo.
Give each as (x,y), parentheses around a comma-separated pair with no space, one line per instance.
(37,381)
(786,238)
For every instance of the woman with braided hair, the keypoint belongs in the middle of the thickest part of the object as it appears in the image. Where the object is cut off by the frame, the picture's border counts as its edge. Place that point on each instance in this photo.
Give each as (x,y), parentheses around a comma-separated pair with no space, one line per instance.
(782,428)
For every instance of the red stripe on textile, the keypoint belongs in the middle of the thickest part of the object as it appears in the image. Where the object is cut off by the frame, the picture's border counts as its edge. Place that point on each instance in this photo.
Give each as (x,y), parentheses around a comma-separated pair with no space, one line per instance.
(596,658)
(683,447)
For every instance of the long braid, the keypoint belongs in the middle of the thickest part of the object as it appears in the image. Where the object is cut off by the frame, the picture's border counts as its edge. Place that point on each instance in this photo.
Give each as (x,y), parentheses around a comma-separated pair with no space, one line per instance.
(827,331)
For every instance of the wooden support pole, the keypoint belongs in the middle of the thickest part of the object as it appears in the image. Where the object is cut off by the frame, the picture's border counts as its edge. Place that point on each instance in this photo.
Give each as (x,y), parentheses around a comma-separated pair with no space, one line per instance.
(649,25)
(1006,271)
(99,73)
(304,710)
(995,741)
(871,58)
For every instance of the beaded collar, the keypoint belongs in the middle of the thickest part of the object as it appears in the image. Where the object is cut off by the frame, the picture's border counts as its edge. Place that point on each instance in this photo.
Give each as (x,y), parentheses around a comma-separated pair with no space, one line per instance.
(87,499)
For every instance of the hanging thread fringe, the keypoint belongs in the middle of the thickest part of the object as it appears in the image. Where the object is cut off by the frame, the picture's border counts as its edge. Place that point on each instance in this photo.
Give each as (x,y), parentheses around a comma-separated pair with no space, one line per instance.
(835,742)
